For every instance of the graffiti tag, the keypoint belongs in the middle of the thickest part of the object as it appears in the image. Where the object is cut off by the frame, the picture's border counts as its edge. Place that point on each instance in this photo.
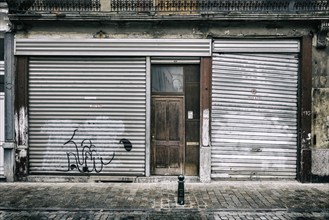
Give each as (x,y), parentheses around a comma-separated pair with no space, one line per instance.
(88,160)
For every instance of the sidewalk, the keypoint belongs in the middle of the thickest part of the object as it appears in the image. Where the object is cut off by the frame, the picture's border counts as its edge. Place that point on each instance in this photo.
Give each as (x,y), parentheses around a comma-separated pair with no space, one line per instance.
(159,200)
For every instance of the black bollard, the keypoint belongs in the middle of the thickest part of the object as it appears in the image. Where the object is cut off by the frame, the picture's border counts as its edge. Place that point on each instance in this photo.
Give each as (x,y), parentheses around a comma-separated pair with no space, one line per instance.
(180,191)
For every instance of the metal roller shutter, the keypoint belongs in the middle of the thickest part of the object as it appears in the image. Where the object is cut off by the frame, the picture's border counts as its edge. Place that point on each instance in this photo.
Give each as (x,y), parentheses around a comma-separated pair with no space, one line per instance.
(113,47)
(84,112)
(256,46)
(254,115)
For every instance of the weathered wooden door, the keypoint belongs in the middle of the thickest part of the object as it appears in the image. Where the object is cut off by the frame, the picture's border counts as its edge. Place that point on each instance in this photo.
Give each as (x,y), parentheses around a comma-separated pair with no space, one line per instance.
(175,119)
(167,135)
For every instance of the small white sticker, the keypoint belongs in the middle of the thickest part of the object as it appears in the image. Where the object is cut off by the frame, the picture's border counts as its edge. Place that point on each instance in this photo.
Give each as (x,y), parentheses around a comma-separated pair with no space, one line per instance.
(90,97)
(190,115)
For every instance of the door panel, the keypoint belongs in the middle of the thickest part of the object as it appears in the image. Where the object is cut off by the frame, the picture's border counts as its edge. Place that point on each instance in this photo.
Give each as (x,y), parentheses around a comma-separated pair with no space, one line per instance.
(192,119)
(167,135)
(174,112)
(160,117)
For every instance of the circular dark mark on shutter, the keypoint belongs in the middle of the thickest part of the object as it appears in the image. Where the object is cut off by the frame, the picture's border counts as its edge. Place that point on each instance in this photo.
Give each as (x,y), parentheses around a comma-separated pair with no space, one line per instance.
(126,143)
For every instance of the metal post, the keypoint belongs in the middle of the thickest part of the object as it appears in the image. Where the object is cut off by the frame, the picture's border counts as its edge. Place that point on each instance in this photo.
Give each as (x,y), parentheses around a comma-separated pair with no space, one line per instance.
(180,192)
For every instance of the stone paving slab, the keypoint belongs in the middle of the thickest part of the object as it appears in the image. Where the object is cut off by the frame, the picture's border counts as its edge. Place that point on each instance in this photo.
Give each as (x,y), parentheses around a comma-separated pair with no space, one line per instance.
(217,200)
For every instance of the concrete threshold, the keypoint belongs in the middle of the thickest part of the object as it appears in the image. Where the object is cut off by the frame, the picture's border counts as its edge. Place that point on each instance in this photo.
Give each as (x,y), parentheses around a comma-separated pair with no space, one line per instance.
(108,179)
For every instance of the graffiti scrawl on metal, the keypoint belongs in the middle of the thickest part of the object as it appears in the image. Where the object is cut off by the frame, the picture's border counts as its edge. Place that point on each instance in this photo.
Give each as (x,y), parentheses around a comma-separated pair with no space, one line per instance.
(86,158)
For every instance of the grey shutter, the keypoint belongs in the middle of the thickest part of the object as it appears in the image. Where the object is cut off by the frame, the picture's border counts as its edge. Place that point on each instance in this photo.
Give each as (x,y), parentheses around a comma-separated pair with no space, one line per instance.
(113,47)
(95,103)
(254,115)
(256,45)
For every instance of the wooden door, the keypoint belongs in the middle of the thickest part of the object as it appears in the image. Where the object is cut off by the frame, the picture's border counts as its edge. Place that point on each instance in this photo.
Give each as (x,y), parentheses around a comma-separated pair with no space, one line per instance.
(167,135)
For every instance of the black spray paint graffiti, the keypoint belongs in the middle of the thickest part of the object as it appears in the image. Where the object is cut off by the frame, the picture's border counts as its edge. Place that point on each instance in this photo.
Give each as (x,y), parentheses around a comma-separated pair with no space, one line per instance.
(89,160)
(126,143)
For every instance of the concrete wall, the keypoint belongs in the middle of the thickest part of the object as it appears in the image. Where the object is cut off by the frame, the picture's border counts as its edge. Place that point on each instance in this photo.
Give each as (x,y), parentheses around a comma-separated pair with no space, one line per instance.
(320,152)
(167,29)
(4,20)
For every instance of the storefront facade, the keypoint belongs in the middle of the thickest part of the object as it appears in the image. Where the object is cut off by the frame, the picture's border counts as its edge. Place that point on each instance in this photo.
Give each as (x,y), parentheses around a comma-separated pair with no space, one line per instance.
(145,99)
(111,113)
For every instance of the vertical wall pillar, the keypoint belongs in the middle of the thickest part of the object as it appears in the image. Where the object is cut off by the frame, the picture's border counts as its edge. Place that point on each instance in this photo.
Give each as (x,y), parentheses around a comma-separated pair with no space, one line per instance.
(205,149)
(9,87)
(21,117)
(9,145)
(9,161)
(305,114)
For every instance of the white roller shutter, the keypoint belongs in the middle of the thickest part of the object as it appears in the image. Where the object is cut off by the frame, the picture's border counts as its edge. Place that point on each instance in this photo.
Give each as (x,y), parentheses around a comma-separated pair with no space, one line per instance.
(256,45)
(254,115)
(113,47)
(82,111)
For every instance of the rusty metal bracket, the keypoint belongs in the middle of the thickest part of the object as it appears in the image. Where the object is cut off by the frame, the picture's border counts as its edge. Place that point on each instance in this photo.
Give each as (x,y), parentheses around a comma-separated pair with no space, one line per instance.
(322,35)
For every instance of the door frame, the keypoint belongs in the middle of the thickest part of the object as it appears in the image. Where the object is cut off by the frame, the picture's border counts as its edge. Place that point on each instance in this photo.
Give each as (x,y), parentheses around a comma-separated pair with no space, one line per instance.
(203,66)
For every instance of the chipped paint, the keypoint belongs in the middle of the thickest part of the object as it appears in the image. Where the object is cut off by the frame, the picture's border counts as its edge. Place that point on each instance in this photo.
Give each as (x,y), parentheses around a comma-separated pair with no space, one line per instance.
(21,126)
(320,121)
(21,138)
(205,128)
(309,137)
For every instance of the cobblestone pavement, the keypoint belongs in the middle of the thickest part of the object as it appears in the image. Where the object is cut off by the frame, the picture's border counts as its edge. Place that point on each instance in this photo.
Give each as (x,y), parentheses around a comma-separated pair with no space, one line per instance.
(217,200)
(173,215)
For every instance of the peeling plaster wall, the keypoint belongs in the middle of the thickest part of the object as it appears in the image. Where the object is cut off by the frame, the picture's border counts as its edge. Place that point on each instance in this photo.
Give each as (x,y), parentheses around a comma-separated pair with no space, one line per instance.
(21,127)
(320,152)
(167,29)
(4,20)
